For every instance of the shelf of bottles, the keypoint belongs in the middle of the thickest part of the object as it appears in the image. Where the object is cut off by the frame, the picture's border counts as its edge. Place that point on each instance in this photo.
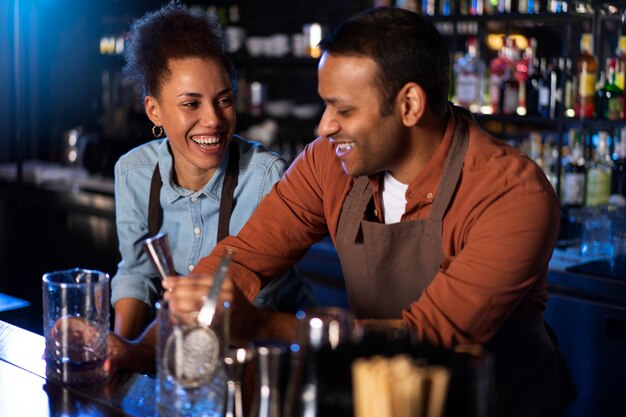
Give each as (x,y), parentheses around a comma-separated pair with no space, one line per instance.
(520,68)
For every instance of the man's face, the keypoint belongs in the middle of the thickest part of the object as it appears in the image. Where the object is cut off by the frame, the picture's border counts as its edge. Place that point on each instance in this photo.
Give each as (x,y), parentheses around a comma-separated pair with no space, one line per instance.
(365,141)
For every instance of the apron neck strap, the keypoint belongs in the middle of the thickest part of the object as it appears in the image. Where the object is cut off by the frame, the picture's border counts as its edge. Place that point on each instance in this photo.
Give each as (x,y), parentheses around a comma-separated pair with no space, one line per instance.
(451,170)
(226,201)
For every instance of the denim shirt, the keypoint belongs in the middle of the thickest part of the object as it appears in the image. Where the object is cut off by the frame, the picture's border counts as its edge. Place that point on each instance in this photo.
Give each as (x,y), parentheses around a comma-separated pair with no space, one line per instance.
(189,218)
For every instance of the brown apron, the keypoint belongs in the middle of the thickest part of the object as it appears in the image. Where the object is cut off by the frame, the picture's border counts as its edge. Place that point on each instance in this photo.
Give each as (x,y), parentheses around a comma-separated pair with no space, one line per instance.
(387,266)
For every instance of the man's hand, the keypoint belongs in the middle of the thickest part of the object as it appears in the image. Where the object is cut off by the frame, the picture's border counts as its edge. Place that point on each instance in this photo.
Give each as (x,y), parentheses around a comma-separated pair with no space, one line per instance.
(185,295)
(246,322)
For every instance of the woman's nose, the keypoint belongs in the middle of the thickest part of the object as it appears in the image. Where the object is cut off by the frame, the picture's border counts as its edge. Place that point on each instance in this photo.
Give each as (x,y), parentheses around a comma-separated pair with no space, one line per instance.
(211,116)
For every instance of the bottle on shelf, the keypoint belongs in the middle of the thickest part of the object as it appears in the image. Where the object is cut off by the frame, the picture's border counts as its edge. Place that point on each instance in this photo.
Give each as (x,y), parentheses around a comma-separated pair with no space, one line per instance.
(575,172)
(509,84)
(599,174)
(571,89)
(543,102)
(428,7)
(556,93)
(550,160)
(618,176)
(523,71)
(477,7)
(445,7)
(509,93)
(586,70)
(532,85)
(610,104)
(621,61)
(497,69)
(469,73)
(536,149)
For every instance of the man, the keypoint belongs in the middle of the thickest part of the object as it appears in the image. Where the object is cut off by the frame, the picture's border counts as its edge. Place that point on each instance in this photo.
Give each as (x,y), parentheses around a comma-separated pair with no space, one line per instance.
(438,225)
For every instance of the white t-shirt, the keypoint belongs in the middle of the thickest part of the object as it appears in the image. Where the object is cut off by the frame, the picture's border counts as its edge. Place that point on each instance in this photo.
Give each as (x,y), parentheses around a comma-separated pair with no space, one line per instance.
(393,197)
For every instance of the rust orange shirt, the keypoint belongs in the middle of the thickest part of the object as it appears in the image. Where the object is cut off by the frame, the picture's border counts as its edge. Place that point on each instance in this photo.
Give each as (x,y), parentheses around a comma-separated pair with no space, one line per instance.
(498,234)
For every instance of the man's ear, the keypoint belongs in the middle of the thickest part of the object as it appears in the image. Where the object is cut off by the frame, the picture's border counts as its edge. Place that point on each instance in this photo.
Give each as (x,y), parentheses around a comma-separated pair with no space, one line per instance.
(412,102)
(152,110)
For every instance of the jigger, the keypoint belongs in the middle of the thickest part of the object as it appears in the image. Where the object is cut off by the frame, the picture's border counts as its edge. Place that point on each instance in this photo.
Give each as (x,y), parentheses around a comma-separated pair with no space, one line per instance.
(235,361)
(160,253)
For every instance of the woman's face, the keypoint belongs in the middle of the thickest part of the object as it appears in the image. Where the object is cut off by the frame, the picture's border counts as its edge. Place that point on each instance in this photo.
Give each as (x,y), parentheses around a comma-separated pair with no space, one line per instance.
(196,108)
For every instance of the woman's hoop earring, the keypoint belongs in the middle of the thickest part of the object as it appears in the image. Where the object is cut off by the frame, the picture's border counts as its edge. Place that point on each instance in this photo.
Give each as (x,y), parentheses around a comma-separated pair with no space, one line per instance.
(157,131)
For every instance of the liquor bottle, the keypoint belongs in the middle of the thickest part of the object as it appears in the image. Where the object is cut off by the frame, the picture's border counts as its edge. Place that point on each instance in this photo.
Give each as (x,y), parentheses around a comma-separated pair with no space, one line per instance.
(618,176)
(570,89)
(586,70)
(523,71)
(550,160)
(575,172)
(599,173)
(528,6)
(509,93)
(469,73)
(621,62)
(532,87)
(509,86)
(610,98)
(556,93)
(543,103)
(536,149)
(428,7)
(497,68)
(445,7)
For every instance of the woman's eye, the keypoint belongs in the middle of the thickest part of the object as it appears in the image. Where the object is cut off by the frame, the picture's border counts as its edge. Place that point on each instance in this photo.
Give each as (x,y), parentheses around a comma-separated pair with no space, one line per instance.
(190,104)
(225,101)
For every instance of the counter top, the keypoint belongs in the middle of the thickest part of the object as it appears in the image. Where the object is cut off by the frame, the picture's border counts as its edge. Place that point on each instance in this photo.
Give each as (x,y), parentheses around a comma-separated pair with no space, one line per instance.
(24,391)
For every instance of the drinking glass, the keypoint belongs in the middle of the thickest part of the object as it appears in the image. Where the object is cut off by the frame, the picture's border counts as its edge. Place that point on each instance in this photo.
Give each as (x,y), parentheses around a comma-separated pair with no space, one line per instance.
(596,237)
(317,328)
(76,325)
(191,379)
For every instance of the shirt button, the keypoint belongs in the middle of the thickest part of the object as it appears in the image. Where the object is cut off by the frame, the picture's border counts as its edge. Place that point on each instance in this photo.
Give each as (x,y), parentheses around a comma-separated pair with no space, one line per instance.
(190,268)
(429,196)
(375,212)
(196,231)
(193,199)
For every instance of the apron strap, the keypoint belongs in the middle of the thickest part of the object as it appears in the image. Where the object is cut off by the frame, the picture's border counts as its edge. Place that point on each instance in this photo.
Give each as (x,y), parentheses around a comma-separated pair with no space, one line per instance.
(228,191)
(154,206)
(356,201)
(451,170)
(226,201)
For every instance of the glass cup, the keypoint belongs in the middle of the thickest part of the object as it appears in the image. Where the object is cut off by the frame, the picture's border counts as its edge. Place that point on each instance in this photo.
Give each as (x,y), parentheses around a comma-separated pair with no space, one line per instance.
(596,237)
(191,378)
(76,325)
(317,328)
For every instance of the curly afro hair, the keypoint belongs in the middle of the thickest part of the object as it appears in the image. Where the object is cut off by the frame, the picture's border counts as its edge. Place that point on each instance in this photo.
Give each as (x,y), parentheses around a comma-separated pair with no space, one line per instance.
(171,32)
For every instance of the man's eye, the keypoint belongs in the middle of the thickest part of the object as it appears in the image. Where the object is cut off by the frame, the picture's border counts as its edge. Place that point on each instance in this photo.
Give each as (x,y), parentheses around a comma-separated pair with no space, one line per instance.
(190,104)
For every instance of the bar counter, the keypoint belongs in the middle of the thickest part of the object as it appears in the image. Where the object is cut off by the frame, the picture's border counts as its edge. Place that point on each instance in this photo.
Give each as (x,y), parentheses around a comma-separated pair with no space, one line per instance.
(586,309)
(24,391)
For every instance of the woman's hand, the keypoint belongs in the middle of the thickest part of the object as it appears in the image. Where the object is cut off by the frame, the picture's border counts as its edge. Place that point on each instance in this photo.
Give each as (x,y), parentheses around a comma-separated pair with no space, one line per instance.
(136,356)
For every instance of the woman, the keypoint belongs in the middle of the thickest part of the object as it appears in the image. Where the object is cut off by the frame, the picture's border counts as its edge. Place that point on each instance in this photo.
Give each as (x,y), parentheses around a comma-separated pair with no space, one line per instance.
(201,182)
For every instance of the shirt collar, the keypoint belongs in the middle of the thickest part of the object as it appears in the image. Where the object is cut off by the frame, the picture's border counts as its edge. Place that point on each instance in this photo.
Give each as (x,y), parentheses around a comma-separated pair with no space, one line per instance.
(173,192)
(426,182)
